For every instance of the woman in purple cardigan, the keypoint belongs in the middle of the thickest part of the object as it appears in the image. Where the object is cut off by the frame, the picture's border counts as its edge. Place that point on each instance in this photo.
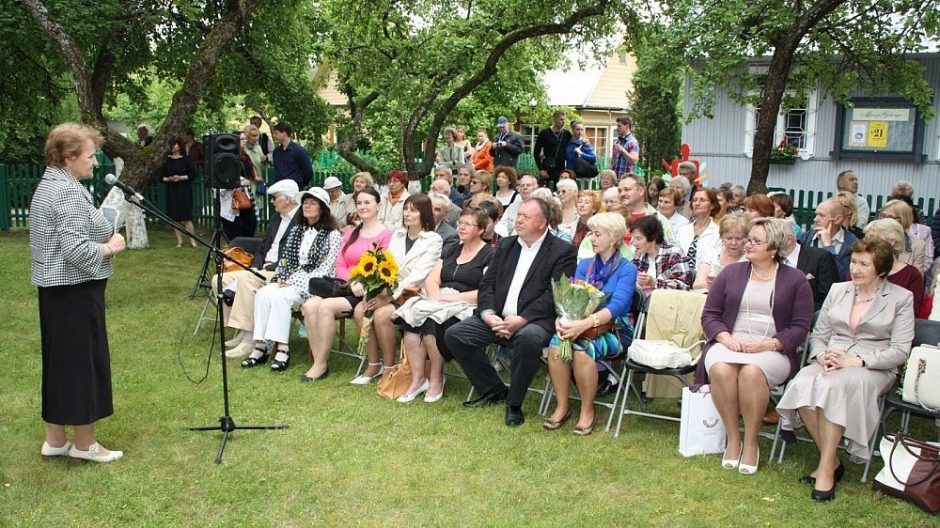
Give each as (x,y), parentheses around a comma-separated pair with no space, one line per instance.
(756,315)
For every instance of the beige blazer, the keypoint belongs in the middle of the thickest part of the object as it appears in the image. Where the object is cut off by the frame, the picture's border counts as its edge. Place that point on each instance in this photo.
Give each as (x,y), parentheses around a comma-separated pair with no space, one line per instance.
(415,265)
(884,333)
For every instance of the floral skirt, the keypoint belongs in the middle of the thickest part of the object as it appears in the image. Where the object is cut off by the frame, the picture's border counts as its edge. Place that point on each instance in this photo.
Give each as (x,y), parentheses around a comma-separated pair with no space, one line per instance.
(607,344)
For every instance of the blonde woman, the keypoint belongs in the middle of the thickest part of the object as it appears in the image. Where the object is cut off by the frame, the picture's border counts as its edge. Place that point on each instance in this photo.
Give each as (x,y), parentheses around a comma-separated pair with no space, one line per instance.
(901,273)
(732,231)
(915,248)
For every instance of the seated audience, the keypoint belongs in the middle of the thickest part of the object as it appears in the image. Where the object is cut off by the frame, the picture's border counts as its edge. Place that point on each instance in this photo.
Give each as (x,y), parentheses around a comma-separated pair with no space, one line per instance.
(862,336)
(393,200)
(515,309)
(915,249)
(440,186)
(851,223)
(359,181)
(758,206)
(669,202)
(725,202)
(901,273)
(415,247)
(506,185)
(451,297)
(611,198)
(311,250)
(567,191)
(658,264)
(440,206)
(830,234)
(818,265)
(608,179)
(699,239)
(732,231)
(615,276)
(245,284)
(320,313)
(783,208)
(481,183)
(756,316)
(653,188)
(589,204)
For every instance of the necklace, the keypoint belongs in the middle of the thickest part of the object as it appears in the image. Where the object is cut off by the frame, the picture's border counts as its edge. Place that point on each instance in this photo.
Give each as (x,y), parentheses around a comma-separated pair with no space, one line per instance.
(863,297)
(772,275)
(750,320)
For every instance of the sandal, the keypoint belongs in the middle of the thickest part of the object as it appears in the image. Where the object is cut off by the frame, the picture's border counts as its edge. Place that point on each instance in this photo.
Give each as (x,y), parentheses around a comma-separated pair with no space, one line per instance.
(257,357)
(280,362)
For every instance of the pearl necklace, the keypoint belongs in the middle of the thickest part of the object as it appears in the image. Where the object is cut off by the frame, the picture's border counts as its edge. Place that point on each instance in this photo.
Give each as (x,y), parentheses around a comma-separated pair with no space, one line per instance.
(859,299)
(747,306)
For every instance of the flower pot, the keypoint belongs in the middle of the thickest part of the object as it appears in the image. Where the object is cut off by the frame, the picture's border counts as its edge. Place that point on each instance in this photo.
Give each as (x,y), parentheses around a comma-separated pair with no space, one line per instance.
(783,161)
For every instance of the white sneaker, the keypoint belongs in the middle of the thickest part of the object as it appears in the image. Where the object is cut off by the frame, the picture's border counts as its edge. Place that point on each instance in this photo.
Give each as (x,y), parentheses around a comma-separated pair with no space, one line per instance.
(239,338)
(92,454)
(49,451)
(240,351)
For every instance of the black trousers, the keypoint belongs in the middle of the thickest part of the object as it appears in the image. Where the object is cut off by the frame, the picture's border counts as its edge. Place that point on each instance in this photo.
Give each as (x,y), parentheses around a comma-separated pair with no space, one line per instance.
(467,341)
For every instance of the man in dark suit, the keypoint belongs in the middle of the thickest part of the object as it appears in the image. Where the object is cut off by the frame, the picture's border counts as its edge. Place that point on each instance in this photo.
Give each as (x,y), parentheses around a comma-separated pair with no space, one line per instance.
(440,206)
(828,234)
(515,308)
(818,264)
(241,316)
(507,145)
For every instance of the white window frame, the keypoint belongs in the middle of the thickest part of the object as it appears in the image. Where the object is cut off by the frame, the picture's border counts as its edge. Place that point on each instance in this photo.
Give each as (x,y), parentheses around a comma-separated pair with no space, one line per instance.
(812,106)
(528,139)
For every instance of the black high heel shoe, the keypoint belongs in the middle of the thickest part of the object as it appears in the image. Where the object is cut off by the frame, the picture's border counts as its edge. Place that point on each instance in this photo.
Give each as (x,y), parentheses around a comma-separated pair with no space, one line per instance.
(823,496)
(811,480)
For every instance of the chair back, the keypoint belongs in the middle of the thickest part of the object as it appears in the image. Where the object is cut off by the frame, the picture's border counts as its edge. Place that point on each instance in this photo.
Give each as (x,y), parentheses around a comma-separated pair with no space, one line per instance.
(638,312)
(926,332)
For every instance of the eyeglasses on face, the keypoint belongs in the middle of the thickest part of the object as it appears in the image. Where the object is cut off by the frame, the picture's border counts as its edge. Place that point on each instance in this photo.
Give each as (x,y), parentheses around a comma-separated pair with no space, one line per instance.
(754,242)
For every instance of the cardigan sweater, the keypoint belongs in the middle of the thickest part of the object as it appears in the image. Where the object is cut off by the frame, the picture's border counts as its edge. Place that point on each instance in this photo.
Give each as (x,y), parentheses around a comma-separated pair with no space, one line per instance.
(792,310)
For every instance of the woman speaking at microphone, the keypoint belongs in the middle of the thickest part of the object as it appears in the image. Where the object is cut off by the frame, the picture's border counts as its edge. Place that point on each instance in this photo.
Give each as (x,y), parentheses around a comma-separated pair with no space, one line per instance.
(72,244)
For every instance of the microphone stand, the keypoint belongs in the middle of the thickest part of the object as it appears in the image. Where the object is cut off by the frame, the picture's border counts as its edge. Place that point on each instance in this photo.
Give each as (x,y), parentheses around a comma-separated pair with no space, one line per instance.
(226,423)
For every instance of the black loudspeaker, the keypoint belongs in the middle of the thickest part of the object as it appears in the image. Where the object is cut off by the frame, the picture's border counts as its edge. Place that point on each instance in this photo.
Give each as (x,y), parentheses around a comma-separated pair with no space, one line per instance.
(223,168)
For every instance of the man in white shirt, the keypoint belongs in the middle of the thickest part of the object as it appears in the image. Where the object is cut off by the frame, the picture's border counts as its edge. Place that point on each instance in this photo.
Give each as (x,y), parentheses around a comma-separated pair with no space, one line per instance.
(515,309)
(507,225)
(828,234)
(245,283)
(848,181)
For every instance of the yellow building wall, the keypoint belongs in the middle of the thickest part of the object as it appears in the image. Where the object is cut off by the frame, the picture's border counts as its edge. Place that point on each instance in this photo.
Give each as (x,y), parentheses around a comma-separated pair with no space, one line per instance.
(614,83)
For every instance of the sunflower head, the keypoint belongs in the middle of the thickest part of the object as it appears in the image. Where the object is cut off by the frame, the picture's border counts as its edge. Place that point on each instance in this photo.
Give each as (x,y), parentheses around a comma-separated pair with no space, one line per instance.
(388,271)
(367,264)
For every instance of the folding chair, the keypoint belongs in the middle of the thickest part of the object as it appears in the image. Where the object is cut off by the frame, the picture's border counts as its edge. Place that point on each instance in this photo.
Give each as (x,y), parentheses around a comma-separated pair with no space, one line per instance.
(637,311)
(673,314)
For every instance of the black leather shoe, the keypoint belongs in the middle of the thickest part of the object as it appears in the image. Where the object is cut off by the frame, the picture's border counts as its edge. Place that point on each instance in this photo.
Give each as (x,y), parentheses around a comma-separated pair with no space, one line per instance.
(514,416)
(822,496)
(494,396)
(811,480)
(606,388)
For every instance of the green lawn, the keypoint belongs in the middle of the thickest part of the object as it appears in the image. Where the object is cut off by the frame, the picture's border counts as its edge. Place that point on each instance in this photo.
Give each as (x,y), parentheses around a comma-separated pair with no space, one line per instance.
(349,456)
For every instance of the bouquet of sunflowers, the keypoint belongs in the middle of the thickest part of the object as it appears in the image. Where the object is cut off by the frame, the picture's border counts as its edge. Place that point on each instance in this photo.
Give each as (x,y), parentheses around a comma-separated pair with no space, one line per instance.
(574,300)
(376,271)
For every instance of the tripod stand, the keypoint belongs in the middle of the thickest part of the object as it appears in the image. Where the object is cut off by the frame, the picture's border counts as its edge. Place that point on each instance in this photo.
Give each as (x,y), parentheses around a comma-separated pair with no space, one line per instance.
(204,280)
(226,423)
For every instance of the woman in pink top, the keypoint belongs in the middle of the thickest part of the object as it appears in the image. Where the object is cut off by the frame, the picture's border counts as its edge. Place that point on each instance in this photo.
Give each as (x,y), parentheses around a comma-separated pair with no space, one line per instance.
(320,314)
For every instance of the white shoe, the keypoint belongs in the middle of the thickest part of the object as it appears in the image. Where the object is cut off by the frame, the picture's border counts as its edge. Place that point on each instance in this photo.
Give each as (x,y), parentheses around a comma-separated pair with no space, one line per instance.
(362,379)
(241,351)
(92,454)
(745,469)
(410,397)
(431,399)
(239,338)
(49,451)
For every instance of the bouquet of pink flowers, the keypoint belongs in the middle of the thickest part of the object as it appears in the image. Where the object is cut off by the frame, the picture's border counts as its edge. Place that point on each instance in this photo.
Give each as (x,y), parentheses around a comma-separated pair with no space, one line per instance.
(574,299)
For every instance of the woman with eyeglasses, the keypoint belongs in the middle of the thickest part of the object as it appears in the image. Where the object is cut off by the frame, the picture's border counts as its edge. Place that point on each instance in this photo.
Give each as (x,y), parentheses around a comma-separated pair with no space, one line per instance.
(568,200)
(481,183)
(451,297)
(756,316)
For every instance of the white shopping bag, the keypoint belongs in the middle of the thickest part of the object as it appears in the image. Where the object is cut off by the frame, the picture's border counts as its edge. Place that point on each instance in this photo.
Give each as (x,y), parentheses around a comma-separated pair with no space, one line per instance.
(701,431)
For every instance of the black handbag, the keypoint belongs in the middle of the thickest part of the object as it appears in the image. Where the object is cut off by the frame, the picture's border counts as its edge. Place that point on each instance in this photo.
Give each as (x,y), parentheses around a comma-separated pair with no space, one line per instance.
(327,287)
(584,168)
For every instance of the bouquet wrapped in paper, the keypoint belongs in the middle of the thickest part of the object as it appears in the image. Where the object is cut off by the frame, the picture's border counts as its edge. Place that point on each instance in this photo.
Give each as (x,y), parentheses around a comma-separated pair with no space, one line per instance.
(377,271)
(574,300)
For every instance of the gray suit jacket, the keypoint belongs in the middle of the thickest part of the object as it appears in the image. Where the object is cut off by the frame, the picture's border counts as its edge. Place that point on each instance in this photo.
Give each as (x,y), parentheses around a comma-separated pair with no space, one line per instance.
(884,333)
(448,235)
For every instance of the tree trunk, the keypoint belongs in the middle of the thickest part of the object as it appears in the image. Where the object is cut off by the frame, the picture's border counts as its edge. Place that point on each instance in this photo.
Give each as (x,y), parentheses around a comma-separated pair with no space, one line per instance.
(777,75)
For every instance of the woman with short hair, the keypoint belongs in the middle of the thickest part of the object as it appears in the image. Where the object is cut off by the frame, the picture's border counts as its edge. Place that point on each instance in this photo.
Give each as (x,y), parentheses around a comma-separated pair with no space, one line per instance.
(589,204)
(568,201)
(72,245)
(506,185)
(615,276)
(658,264)
(915,249)
(862,336)
(669,203)
(756,316)
(732,232)
(394,198)
(901,273)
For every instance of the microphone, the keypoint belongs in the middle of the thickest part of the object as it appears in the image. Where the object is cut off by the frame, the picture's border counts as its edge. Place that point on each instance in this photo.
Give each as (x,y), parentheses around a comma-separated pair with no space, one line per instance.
(111,179)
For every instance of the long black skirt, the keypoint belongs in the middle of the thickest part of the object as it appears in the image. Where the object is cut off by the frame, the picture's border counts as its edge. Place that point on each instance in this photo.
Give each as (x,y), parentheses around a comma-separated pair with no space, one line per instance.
(76,363)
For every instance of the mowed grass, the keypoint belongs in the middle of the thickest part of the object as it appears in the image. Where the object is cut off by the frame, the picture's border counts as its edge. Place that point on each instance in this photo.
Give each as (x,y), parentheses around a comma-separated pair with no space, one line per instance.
(349,457)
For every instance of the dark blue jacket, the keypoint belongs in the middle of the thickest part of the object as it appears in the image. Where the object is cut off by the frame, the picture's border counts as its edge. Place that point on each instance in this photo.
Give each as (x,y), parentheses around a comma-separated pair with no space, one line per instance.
(293,163)
(842,257)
